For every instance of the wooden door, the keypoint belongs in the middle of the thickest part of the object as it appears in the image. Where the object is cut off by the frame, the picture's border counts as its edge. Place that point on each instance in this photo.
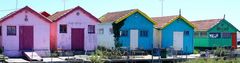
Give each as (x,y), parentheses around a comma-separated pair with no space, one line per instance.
(133,39)
(178,40)
(26,38)
(234,40)
(77,39)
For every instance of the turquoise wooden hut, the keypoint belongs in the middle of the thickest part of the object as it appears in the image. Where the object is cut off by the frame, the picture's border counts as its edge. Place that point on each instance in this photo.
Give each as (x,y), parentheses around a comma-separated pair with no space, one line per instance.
(174,32)
(214,33)
(133,28)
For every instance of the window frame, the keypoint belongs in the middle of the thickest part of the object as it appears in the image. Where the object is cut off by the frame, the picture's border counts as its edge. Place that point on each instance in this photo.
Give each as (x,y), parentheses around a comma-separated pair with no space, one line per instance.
(111,30)
(101,31)
(197,34)
(91,29)
(203,34)
(186,33)
(143,33)
(11,30)
(226,35)
(124,33)
(63,30)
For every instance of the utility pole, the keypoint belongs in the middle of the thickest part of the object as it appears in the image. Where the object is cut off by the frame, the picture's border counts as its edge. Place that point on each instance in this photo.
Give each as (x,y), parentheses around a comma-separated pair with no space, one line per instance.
(162,7)
(64,4)
(16,4)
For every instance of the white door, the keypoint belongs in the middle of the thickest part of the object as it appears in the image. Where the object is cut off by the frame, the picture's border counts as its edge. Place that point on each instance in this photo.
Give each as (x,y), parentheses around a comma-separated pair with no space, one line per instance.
(178,40)
(133,39)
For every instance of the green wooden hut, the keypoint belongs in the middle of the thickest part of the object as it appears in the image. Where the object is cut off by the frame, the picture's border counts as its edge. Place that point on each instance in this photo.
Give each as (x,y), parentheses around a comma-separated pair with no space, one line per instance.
(214,33)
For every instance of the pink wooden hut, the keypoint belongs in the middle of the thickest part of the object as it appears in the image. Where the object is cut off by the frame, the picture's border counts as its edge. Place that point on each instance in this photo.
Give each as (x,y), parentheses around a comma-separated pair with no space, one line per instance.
(25,30)
(73,29)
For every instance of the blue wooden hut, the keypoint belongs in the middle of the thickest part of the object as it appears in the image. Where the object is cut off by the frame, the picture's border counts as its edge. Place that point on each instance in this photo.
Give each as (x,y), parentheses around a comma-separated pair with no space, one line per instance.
(174,32)
(133,28)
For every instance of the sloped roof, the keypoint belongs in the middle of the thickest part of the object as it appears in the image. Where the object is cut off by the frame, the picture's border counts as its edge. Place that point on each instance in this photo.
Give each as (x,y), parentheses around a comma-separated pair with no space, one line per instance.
(44,13)
(22,9)
(113,16)
(204,25)
(164,21)
(118,16)
(60,14)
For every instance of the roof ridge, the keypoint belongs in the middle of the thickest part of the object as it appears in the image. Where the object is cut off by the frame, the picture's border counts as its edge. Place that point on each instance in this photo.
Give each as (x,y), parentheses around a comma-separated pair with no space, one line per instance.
(58,15)
(122,11)
(116,12)
(20,10)
(164,16)
(206,20)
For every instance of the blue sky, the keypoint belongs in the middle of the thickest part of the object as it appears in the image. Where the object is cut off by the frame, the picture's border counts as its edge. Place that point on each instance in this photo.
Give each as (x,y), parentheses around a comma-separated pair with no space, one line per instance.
(191,9)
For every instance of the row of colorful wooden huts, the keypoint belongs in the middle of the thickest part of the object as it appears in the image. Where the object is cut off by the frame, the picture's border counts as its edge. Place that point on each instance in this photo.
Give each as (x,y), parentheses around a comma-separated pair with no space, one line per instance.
(78,30)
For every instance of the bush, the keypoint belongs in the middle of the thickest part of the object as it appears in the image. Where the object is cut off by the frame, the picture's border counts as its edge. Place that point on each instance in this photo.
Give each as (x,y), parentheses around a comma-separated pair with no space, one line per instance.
(114,54)
(103,53)
(220,51)
(97,57)
(196,51)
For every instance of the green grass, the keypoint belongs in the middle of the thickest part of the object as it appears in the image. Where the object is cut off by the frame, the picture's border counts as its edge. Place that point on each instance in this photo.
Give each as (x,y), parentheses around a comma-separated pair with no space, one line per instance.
(208,60)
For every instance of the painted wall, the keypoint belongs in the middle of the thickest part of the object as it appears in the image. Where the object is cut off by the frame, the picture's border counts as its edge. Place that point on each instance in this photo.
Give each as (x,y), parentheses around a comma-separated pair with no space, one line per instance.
(41,34)
(138,22)
(106,39)
(201,42)
(178,26)
(212,42)
(220,42)
(53,36)
(222,27)
(157,38)
(74,21)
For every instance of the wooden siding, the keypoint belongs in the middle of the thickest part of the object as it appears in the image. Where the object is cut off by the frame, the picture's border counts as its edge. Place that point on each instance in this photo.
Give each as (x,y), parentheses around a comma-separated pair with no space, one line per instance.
(138,22)
(178,26)
(222,27)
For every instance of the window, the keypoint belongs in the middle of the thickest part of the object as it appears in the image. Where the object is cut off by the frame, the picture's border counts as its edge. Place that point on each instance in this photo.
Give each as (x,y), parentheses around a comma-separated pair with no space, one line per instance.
(226,35)
(63,28)
(215,35)
(111,30)
(124,33)
(203,34)
(196,34)
(77,13)
(11,30)
(91,29)
(101,31)
(186,33)
(143,33)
